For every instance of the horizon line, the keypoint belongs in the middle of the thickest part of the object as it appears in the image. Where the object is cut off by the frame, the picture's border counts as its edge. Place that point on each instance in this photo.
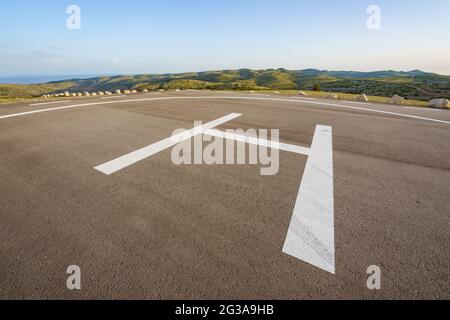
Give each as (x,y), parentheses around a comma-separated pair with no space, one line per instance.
(94,75)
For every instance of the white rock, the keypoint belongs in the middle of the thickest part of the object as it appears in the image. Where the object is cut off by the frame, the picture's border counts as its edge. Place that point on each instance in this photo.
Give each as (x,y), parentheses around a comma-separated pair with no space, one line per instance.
(332,96)
(67,94)
(87,94)
(134,91)
(94,94)
(145,91)
(362,98)
(439,103)
(396,99)
(62,94)
(108,93)
(118,92)
(301,93)
(161,90)
(101,93)
(127,91)
(73,94)
(79,94)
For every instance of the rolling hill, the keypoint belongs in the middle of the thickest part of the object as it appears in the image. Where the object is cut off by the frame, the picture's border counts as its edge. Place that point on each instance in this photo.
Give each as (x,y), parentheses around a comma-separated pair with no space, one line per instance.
(414,84)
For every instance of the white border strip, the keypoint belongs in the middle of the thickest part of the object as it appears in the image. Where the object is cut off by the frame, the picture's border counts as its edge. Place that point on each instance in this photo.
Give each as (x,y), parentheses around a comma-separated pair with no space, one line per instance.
(141,154)
(423,109)
(358,102)
(226,97)
(310,237)
(44,103)
(303,97)
(112,97)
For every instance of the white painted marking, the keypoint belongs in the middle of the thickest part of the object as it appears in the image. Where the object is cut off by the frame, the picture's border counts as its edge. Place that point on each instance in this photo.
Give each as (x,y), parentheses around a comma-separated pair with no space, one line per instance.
(258,142)
(423,109)
(143,153)
(225,97)
(44,103)
(311,232)
(228,92)
(301,97)
(357,102)
(112,97)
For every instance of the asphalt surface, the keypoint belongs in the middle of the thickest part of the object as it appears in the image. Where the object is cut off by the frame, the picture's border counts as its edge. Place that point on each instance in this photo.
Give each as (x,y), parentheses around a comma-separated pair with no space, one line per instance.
(155,230)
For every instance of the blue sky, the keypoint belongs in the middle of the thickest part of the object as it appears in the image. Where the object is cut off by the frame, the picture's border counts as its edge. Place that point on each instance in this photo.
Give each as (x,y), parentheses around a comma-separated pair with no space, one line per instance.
(144,36)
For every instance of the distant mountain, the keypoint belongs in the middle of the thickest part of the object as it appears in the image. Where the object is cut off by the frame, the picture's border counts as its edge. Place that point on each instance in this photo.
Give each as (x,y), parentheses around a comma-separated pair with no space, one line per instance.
(43,79)
(361,75)
(414,84)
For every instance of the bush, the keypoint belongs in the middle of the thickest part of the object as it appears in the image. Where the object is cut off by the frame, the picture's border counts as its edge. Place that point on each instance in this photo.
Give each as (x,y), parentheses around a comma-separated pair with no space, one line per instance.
(317,87)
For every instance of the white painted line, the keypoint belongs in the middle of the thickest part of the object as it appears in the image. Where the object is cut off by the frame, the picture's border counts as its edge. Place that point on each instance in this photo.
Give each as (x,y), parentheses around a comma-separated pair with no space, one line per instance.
(54,109)
(307,98)
(310,237)
(44,103)
(112,97)
(258,142)
(143,153)
(225,97)
(423,109)
(381,111)
(357,102)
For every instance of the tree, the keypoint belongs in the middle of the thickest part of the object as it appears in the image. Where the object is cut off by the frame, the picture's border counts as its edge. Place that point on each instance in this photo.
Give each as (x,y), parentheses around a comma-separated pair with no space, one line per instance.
(317,87)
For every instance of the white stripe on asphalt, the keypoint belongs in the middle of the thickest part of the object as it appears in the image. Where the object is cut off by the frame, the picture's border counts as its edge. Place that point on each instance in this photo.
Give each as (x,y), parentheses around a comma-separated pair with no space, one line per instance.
(356,102)
(303,98)
(258,142)
(143,153)
(114,97)
(226,97)
(423,109)
(311,232)
(44,103)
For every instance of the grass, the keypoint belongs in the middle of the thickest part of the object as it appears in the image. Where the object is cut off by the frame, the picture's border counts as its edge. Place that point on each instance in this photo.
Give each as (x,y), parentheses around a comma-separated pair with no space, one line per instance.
(346,97)
(18,100)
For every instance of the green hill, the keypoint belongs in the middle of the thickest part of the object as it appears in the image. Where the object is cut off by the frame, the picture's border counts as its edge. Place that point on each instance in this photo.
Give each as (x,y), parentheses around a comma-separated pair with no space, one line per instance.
(414,84)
